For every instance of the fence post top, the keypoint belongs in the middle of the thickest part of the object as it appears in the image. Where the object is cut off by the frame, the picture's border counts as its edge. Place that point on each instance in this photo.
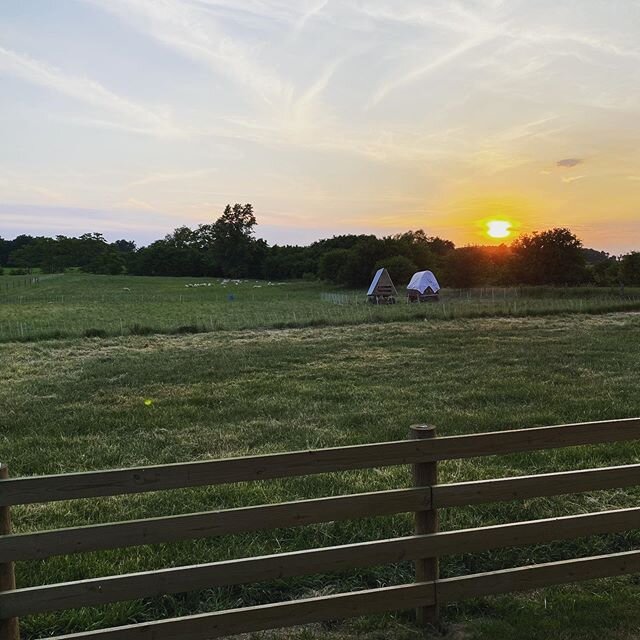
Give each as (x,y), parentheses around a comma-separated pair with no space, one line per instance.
(422,430)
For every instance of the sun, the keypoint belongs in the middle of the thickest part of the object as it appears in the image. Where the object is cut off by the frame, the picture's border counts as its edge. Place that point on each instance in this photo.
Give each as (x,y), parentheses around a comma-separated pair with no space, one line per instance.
(499,228)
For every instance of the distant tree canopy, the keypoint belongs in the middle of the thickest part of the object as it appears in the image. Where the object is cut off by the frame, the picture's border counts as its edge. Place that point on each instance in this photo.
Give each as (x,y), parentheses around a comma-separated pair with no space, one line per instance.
(228,248)
(400,268)
(90,252)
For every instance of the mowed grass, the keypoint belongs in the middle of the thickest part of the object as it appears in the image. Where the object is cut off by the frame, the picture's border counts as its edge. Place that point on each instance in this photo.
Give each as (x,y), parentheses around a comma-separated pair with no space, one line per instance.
(70,405)
(80,305)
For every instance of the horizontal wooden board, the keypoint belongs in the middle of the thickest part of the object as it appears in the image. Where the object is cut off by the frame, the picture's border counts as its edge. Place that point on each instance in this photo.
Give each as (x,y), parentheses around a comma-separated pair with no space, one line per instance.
(379,552)
(537,576)
(30,546)
(283,465)
(271,616)
(534,486)
(249,619)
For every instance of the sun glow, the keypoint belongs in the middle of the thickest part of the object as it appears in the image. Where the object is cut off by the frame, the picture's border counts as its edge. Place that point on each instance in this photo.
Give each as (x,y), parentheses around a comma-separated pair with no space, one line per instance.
(499,228)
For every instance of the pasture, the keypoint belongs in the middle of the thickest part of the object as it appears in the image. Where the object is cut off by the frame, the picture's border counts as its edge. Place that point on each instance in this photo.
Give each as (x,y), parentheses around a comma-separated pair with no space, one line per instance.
(82,305)
(263,378)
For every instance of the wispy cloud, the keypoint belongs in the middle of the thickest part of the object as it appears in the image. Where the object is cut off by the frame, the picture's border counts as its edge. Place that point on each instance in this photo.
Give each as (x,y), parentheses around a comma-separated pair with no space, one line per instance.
(308,15)
(314,90)
(176,176)
(393,108)
(130,115)
(135,204)
(421,71)
(196,34)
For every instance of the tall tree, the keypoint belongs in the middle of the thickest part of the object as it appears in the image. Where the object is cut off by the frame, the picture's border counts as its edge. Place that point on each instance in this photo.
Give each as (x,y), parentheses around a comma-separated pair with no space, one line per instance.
(231,239)
(549,257)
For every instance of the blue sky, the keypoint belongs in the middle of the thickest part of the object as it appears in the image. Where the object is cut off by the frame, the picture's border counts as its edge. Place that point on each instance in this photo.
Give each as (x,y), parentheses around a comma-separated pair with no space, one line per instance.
(132,117)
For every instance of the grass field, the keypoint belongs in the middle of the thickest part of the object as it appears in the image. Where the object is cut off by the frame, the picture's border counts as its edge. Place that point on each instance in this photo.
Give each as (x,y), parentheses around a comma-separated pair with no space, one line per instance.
(79,403)
(79,305)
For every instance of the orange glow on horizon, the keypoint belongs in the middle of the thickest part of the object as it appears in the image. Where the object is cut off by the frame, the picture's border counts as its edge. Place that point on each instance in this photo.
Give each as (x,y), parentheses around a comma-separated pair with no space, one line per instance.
(492,218)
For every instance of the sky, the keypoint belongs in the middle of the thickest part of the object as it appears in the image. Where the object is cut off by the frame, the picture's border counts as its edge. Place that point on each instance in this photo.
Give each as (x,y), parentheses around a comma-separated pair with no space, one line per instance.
(133,117)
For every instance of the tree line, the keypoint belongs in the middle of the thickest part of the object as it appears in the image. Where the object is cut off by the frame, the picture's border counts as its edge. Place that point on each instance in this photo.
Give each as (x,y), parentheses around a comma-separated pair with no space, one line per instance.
(228,248)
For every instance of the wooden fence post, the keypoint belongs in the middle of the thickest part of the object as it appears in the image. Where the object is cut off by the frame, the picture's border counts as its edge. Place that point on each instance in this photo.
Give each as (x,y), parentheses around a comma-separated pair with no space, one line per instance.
(9,627)
(426,474)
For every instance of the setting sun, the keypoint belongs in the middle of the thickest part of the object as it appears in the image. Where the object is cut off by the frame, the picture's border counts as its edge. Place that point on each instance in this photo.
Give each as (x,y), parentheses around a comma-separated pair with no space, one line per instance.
(499,228)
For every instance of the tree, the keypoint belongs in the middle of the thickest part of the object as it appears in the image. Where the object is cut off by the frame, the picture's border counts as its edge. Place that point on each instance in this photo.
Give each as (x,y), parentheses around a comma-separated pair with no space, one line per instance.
(124,246)
(39,253)
(467,267)
(400,268)
(182,237)
(110,262)
(164,258)
(5,250)
(282,262)
(607,273)
(331,263)
(7,247)
(630,268)
(355,272)
(230,242)
(593,256)
(426,252)
(549,257)
(496,265)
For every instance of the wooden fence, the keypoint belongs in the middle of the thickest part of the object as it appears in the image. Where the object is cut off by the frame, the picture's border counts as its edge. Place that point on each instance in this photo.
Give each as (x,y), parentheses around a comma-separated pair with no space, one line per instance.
(422,450)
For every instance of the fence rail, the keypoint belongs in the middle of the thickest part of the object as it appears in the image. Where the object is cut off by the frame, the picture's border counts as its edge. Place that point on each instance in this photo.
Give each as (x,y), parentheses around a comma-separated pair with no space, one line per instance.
(423,450)
(93,484)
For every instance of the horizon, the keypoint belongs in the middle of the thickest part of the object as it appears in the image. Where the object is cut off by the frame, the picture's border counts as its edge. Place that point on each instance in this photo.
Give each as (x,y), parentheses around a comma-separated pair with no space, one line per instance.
(490,242)
(137,117)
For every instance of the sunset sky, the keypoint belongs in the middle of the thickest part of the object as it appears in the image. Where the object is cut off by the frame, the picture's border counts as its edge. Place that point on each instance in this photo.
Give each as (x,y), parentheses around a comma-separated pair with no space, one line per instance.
(132,117)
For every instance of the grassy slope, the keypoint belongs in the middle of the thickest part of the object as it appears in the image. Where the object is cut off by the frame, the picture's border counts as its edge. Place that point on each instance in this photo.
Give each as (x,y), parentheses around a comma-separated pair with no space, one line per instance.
(71,405)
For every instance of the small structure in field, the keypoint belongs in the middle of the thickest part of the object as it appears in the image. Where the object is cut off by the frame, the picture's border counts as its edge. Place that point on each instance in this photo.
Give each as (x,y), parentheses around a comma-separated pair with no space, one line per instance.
(382,290)
(423,287)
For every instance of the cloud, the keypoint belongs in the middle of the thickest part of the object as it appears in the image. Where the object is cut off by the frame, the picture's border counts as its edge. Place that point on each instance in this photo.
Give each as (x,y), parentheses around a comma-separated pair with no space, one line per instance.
(315,10)
(132,117)
(175,176)
(317,87)
(569,162)
(572,179)
(130,217)
(197,35)
(424,70)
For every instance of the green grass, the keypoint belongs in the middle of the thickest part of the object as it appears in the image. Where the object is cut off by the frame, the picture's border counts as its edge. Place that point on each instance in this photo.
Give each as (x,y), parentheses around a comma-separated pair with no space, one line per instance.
(82,305)
(75,404)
